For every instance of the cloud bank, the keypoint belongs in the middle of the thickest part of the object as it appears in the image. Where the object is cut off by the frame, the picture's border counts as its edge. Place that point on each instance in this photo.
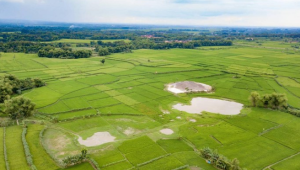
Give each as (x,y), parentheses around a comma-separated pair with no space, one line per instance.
(284,13)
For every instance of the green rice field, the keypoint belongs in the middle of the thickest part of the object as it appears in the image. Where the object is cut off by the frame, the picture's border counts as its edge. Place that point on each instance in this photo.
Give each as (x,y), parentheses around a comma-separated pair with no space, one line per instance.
(126,97)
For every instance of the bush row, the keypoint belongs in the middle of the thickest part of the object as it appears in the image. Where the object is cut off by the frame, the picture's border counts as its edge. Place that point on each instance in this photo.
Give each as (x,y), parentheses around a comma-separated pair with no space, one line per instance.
(27,150)
(218,160)
(94,163)
(4,150)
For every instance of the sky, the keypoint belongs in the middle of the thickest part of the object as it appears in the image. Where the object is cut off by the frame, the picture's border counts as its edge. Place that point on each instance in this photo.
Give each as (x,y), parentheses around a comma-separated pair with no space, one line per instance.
(261,13)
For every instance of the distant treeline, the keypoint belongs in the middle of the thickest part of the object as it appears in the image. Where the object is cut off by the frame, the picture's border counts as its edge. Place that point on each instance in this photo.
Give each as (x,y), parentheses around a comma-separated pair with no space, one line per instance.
(66,53)
(120,46)
(21,46)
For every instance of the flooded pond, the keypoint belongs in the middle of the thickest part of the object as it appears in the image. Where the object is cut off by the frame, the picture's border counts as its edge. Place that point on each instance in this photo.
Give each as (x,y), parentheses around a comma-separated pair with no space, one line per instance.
(201,104)
(188,86)
(98,138)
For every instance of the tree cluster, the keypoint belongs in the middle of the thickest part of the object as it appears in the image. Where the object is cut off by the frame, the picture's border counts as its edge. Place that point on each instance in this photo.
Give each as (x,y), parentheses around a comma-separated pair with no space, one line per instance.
(104,49)
(77,159)
(220,161)
(18,108)
(21,46)
(66,53)
(274,100)
(10,85)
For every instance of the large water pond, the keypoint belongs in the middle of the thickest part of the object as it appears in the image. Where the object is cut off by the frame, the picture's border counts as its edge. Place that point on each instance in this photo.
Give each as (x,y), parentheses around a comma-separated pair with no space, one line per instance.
(200,104)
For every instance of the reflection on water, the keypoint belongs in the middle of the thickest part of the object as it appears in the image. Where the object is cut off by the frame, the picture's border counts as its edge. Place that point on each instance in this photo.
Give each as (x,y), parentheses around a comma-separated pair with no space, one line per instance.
(201,104)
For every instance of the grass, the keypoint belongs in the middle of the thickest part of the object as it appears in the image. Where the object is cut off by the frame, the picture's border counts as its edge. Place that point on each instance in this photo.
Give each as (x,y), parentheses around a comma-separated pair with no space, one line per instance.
(193,160)
(40,157)
(108,157)
(83,124)
(135,144)
(119,166)
(145,154)
(292,163)
(14,147)
(168,162)
(2,162)
(85,166)
(174,145)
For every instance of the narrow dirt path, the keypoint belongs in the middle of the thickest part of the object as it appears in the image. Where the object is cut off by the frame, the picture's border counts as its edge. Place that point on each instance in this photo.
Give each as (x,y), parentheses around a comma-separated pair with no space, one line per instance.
(268,167)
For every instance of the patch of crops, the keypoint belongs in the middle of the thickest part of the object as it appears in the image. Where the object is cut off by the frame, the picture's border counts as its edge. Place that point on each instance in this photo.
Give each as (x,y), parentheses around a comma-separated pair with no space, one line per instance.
(168,162)
(40,157)
(145,154)
(174,145)
(14,148)
(135,144)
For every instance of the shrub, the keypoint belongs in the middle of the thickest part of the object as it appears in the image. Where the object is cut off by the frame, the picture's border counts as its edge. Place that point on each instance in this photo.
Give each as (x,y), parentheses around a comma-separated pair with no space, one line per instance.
(219,161)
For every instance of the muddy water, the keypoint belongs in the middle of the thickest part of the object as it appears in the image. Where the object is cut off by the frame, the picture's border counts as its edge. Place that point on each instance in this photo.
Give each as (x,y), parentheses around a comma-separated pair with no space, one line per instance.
(201,104)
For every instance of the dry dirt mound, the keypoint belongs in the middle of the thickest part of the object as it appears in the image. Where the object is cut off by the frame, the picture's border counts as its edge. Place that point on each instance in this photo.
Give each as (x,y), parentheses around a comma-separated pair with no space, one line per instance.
(188,86)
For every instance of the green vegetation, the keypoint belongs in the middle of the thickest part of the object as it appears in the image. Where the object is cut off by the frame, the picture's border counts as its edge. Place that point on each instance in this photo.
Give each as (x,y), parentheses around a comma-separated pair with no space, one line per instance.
(2,160)
(125,96)
(40,157)
(14,148)
(18,108)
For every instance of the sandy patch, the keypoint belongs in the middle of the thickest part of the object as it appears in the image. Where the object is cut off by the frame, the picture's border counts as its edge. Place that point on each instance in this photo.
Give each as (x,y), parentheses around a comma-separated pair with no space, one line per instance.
(188,86)
(165,112)
(130,131)
(167,131)
(178,117)
(97,139)
(193,120)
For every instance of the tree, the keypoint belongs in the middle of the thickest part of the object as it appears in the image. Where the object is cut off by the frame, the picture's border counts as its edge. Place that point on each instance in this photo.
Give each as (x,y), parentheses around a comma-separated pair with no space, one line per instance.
(235,164)
(265,100)
(38,82)
(84,153)
(18,108)
(254,98)
(103,61)
(278,100)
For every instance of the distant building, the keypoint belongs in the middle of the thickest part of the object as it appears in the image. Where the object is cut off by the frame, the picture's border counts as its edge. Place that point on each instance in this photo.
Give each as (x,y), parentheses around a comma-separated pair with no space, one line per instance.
(147,36)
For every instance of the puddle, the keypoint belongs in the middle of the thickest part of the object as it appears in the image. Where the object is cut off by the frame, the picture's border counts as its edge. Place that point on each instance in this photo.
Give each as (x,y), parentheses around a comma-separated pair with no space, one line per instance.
(97,139)
(201,104)
(188,86)
(167,131)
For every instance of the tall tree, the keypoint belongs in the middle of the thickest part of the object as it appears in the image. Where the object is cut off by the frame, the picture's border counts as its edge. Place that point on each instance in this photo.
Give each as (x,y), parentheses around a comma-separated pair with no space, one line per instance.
(18,108)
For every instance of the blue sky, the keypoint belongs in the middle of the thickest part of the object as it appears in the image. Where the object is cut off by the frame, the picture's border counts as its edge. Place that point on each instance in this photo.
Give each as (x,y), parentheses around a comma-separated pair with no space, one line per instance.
(283,13)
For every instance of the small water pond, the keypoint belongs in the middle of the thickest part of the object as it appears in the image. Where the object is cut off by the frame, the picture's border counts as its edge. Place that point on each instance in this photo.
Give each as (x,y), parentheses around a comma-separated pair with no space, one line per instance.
(200,104)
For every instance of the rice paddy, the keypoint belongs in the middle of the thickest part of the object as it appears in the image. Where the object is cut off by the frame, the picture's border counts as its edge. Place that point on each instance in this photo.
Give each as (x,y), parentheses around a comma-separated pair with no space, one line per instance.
(126,97)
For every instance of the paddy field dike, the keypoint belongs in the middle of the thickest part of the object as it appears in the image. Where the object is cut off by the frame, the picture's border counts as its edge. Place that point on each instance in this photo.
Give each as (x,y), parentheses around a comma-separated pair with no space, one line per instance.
(123,114)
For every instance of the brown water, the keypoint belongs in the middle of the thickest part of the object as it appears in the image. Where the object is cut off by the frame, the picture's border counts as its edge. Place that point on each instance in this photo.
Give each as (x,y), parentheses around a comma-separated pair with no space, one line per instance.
(200,104)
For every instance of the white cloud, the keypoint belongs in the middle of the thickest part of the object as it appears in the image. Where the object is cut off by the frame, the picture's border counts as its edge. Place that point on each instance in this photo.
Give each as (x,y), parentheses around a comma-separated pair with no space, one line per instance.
(178,12)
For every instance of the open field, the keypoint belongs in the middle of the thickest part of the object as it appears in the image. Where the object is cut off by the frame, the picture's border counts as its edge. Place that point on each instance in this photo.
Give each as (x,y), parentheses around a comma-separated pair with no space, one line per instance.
(126,97)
